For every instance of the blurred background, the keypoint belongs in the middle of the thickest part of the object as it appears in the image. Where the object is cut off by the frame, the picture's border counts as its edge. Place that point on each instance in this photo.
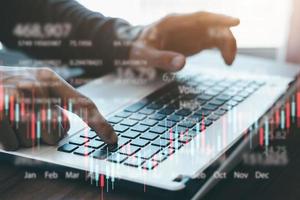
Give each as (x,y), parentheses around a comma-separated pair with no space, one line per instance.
(264,23)
(268,29)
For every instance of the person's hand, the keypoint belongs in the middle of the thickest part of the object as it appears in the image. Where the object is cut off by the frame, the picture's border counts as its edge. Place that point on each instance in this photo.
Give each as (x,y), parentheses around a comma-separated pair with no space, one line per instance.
(39,92)
(165,43)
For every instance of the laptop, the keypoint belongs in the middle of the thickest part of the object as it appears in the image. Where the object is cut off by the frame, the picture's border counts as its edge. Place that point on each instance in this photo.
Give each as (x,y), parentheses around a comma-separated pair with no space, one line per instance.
(173,127)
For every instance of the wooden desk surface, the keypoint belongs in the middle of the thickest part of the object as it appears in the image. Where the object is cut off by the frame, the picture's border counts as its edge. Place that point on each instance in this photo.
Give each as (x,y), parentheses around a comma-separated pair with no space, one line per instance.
(14,186)
(284,185)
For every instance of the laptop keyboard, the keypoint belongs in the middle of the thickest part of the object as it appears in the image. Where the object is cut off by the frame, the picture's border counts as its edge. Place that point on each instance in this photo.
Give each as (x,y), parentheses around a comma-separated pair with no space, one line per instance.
(156,127)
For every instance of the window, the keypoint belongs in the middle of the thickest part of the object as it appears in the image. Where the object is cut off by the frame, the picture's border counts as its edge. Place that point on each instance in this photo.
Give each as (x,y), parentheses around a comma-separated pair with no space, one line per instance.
(264,23)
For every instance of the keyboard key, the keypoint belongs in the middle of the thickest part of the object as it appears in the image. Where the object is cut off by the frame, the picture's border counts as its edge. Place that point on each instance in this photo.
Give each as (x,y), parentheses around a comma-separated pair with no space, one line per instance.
(129,122)
(232,103)
(216,102)
(213,117)
(90,134)
(218,88)
(157,117)
(78,140)
(68,148)
(166,111)
(189,96)
(134,162)
(169,136)
(176,145)
(150,164)
(223,97)
(183,112)
(220,112)
(114,120)
(160,142)
(130,134)
(159,157)
(167,124)
(140,128)
(117,158)
(95,144)
(123,114)
(149,122)
(193,133)
(149,136)
(187,123)
(210,107)
(120,128)
(101,154)
(195,118)
(175,118)
(138,117)
(181,129)
(206,122)
(249,89)
(110,147)
(191,105)
(155,106)
(168,151)
(148,152)
(123,141)
(238,98)
(140,142)
(129,150)
(205,97)
(136,107)
(83,151)
(244,94)
(158,130)
(202,112)
(225,107)
(212,92)
(184,139)
(231,92)
(146,111)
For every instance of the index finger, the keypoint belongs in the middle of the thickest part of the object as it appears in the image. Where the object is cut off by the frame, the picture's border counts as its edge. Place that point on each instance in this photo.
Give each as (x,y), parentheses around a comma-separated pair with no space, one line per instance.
(218,19)
(61,89)
(226,42)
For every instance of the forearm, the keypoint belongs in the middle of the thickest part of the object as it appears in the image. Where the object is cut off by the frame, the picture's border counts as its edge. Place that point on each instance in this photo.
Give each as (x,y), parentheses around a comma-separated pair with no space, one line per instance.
(109,38)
